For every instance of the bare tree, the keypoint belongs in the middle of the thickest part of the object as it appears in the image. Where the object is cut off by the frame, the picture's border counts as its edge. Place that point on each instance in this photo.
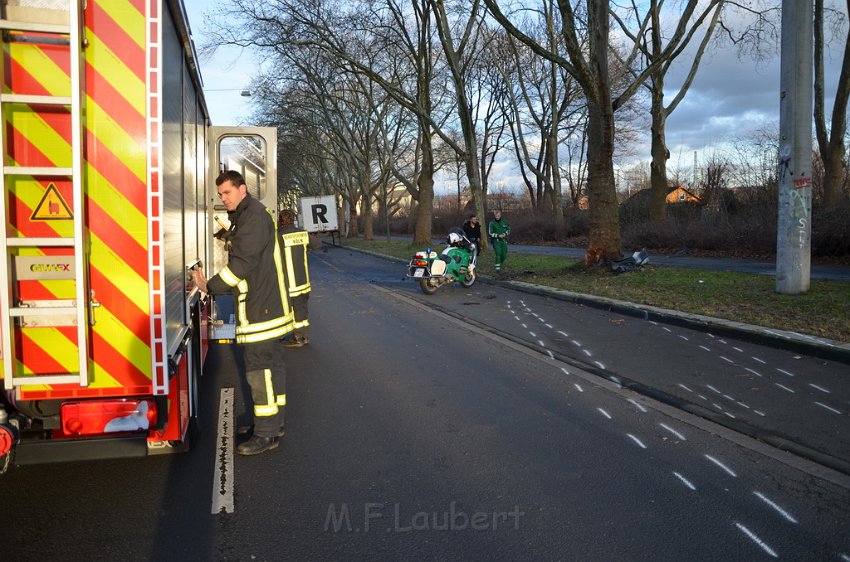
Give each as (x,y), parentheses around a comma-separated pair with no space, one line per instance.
(458,55)
(649,39)
(585,39)
(831,140)
(489,96)
(545,107)
(401,33)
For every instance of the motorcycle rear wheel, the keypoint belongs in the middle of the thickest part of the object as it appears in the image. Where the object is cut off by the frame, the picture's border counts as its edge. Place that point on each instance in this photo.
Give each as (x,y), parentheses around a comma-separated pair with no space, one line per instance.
(428,286)
(469,280)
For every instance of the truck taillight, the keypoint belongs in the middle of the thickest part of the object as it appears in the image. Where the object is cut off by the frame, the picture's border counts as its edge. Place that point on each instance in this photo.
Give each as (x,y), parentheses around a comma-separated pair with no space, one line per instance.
(96,417)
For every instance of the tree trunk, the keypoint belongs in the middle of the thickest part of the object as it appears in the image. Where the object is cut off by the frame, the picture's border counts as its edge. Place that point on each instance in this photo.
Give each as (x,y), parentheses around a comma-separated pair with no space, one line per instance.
(604,240)
(353,228)
(368,218)
(831,139)
(834,174)
(425,182)
(660,154)
(555,188)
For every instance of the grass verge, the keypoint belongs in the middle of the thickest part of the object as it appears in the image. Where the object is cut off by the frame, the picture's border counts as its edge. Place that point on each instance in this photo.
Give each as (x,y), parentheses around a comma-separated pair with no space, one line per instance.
(823,311)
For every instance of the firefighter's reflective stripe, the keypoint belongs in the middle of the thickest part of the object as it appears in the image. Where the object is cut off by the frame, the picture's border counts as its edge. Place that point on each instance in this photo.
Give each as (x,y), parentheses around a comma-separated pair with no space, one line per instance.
(228,277)
(270,408)
(297,271)
(281,281)
(281,399)
(263,336)
(302,323)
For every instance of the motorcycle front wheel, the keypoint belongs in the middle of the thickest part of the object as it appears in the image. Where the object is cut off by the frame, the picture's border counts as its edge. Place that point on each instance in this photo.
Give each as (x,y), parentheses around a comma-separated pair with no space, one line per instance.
(428,286)
(468,281)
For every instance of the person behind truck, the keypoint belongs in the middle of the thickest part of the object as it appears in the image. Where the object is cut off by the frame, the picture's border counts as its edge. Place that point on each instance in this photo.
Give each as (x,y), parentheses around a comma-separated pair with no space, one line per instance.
(498,230)
(472,230)
(295,242)
(254,276)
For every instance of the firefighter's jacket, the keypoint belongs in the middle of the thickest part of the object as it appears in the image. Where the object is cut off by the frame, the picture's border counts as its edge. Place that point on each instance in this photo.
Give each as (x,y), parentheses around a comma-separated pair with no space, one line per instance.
(254,275)
(295,243)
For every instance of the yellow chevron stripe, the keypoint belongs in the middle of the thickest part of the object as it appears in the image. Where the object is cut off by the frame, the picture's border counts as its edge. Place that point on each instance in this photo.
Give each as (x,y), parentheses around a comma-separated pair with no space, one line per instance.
(127,215)
(54,344)
(130,19)
(20,368)
(43,69)
(110,133)
(123,340)
(113,267)
(31,126)
(59,288)
(53,146)
(64,352)
(110,66)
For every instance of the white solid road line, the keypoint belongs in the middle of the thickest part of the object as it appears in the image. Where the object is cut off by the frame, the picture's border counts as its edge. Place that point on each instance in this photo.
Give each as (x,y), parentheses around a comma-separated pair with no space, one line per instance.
(222,494)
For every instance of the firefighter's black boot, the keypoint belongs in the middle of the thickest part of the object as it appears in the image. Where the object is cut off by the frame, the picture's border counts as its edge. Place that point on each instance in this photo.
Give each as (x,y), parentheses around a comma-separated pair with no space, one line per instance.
(257,444)
(247,431)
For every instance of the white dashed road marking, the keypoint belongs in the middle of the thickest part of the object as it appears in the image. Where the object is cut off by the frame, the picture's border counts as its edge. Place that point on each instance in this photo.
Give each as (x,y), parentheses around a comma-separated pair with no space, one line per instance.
(721,465)
(831,409)
(673,431)
(685,481)
(778,509)
(822,389)
(757,540)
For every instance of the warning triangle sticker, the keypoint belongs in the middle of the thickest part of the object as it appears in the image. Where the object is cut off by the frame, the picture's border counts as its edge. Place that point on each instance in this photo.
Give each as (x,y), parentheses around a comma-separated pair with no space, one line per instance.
(52,207)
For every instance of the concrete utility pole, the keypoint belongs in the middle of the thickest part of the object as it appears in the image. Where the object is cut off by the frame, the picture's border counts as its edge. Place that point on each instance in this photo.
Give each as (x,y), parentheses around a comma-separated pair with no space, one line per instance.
(794,228)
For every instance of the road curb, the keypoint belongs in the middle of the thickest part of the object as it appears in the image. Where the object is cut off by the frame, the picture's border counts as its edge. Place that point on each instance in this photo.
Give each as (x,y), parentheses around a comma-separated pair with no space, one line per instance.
(772,337)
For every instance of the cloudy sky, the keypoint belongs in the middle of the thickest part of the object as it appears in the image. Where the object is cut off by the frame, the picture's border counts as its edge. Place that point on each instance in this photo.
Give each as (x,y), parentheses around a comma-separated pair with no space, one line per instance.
(729,97)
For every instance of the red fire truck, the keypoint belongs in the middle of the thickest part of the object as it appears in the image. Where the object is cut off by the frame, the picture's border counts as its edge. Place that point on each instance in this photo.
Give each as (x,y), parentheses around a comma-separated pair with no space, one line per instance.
(108,204)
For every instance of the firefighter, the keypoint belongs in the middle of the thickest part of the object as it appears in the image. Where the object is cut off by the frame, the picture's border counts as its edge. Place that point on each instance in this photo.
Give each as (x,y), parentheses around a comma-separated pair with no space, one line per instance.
(254,276)
(295,241)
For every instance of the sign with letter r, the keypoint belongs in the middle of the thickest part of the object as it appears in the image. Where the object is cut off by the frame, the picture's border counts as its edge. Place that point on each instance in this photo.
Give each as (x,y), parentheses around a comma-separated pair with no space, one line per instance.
(319,213)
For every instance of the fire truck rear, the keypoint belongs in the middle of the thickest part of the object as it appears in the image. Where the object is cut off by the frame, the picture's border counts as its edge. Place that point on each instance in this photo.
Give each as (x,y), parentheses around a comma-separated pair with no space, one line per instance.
(107,206)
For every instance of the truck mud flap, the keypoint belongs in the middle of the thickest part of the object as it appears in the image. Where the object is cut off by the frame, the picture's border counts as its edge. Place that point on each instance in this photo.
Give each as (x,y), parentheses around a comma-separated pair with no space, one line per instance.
(68,450)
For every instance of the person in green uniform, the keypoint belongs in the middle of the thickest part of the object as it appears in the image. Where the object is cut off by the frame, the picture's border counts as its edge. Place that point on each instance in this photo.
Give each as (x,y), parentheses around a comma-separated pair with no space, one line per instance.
(498,230)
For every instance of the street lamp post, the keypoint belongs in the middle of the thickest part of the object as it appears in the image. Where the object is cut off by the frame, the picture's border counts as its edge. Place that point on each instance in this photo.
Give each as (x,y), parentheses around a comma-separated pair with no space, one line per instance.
(794,226)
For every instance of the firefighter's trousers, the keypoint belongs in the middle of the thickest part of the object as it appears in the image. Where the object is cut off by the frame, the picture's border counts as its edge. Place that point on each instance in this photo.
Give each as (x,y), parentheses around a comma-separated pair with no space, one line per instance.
(299,308)
(266,375)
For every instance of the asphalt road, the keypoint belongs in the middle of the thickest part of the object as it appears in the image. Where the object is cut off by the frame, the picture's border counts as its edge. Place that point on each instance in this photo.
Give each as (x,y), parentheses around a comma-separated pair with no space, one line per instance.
(473,424)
